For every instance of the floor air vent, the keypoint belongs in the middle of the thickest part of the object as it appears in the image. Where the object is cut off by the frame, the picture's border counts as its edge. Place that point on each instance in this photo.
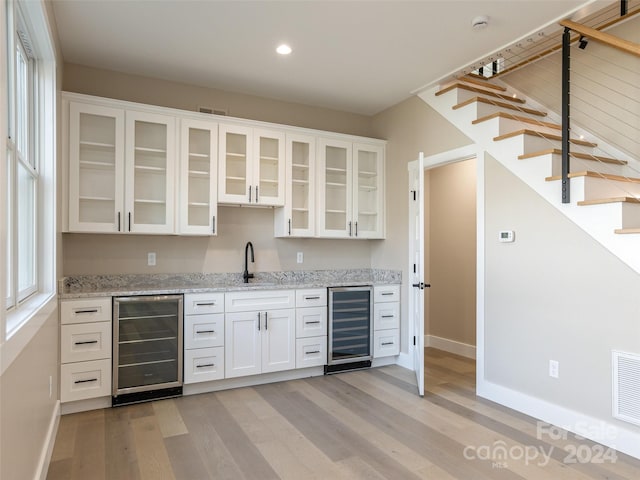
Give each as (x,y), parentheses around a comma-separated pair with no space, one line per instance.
(626,387)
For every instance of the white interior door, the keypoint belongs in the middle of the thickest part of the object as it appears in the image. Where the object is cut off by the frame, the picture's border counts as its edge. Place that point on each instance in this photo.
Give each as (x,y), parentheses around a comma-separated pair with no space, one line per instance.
(416,267)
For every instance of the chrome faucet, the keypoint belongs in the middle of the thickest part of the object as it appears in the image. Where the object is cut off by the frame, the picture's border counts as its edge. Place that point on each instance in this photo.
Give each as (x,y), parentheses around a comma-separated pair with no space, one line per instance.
(246,275)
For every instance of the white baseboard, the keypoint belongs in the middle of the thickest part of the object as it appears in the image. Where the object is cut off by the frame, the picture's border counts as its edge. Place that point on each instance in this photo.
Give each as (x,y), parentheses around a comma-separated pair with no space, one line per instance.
(625,440)
(405,360)
(47,448)
(451,346)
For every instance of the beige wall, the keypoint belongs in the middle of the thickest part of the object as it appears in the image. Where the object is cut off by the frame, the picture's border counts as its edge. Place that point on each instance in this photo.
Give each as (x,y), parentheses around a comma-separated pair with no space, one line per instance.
(450,238)
(555,293)
(410,127)
(134,88)
(604,88)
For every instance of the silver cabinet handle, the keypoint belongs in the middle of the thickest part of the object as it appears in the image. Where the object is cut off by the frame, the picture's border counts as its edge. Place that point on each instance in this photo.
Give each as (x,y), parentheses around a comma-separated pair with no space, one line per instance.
(86,342)
(257,194)
(205,331)
(312,351)
(208,304)
(289,226)
(213,224)
(312,298)
(310,323)
(118,221)
(91,310)
(258,321)
(206,365)
(356,229)
(388,316)
(386,293)
(350,229)
(387,343)
(266,321)
(250,193)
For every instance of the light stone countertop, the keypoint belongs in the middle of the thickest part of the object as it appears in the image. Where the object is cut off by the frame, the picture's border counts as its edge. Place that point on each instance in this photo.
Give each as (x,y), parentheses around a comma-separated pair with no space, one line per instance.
(86,286)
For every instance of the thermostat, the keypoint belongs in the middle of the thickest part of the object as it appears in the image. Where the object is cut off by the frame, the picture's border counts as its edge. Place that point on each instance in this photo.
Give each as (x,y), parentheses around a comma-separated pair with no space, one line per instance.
(507,236)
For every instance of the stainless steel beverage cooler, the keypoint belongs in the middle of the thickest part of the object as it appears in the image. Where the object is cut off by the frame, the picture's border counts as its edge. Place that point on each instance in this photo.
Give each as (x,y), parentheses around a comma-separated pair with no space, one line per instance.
(147,348)
(350,328)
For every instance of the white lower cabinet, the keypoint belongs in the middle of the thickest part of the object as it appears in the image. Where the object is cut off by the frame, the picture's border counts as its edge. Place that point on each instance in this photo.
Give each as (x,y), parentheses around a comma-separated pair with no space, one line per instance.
(311,327)
(85,349)
(203,337)
(203,364)
(386,321)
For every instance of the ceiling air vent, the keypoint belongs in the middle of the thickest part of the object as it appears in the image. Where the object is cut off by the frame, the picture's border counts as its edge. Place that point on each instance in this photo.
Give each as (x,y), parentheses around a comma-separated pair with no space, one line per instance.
(212,111)
(626,387)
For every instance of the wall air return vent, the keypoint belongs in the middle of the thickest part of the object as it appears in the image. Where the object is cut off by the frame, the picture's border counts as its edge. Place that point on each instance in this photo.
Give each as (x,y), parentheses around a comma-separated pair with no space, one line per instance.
(626,387)
(212,111)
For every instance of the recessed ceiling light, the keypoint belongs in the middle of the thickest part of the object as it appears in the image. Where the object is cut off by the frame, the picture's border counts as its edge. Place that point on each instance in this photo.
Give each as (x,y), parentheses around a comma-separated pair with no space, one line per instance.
(284,49)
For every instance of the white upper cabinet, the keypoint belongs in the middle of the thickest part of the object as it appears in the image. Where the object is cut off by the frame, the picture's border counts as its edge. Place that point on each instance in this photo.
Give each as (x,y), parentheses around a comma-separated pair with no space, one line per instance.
(96,168)
(368,191)
(297,218)
(251,166)
(351,197)
(121,170)
(149,172)
(198,199)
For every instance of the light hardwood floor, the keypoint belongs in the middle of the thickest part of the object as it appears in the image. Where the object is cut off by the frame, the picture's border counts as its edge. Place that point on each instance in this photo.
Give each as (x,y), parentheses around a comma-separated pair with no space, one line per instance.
(364,424)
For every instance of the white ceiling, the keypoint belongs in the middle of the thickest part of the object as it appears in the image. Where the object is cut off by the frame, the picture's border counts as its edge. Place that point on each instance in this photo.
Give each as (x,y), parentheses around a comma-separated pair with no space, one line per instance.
(358,56)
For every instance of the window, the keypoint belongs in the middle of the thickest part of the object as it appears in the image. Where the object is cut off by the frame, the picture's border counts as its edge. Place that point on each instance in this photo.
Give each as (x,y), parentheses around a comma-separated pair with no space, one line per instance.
(29,173)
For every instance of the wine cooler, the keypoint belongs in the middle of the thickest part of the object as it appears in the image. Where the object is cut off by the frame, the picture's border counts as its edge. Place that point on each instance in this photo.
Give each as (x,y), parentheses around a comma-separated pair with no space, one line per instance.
(147,348)
(350,328)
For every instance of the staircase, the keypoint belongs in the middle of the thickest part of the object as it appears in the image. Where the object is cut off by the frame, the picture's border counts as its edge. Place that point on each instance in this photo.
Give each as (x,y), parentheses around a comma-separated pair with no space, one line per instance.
(605,192)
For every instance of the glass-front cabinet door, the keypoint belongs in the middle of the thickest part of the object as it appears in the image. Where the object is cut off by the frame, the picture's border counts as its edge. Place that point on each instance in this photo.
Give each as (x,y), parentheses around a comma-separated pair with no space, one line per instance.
(96,168)
(268,167)
(234,179)
(368,191)
(335,181)
(150,173)
(197,209)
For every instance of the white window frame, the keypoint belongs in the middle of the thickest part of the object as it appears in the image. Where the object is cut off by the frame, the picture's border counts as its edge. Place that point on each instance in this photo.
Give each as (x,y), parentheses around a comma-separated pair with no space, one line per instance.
(28,309)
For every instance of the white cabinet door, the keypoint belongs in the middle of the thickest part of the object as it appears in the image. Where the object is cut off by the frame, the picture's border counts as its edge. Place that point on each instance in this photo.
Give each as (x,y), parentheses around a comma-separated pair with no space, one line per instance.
(335,179)
(368,191)
(278,340)
(150,172)
(234,164)
(242,346)
(198,205)
(96,168)
(297,218)
(268,167)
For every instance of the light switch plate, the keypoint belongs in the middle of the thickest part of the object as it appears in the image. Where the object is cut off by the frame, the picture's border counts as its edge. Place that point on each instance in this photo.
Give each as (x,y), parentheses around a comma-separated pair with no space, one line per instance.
(151,259)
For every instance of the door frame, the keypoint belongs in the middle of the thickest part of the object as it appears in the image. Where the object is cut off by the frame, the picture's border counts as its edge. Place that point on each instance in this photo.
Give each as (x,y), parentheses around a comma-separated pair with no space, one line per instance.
(461,154)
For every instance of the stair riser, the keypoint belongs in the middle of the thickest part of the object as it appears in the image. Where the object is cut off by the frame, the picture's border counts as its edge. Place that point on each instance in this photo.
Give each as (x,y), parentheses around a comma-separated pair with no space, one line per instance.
(479,109)
(501,126)
(580,165)
(614,215)
(595,188)
(463,95)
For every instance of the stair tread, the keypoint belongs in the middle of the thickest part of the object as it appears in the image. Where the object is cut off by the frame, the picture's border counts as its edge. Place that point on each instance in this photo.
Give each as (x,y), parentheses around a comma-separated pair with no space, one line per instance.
(583,156)
(483,91)
(602,201)
(589,173)
(549,136)
(624,231)
(485,83)
(501,105)
(513,116)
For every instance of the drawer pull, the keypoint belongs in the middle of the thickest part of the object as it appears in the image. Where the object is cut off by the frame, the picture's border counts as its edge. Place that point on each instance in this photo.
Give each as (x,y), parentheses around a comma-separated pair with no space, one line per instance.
(207,304)
(85,342)
(204,365)
(386,293)
(90,310)
(312,351)
(388,316)
(309,323)
(86,381)
(205,331)
(312,298)
(386,343)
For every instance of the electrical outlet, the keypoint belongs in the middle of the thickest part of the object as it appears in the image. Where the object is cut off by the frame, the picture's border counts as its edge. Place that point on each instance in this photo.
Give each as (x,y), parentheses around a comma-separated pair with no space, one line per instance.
(300,257)
(554,368)
(151,259)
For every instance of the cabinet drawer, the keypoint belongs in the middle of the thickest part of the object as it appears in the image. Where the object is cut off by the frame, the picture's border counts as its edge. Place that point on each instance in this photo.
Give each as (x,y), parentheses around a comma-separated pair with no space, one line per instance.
(258,300)
(386,316)
(203,364)
(85,310)
(85,341)
(82,380)
(311,352)
(386,343)
(386,293)
(202,303)
(311,322)
(203,331)
(316,297)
